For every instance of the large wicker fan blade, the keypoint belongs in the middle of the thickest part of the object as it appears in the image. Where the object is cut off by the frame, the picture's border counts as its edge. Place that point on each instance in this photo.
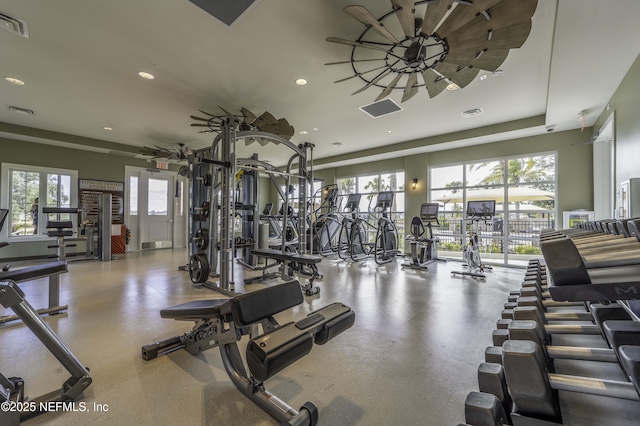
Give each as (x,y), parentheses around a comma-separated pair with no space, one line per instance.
(459,75)
(508,37)
(285,130)
(363,15)
(434,14)
(410,89)
(387,90)
(434,82)
(249,141)
(148,151)
(372,82)
(406,16)
(262,141)
(359,74)
(225,111)
(207,113)
(464,13)
(193,117)
(356,60)
(201,125)
(501,27)
(264,119)
(488,60)
(355,43)
(281,127)
(249,117)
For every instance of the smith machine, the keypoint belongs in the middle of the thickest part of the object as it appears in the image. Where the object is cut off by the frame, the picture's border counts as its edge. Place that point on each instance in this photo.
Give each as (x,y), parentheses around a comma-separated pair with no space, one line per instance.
(224,187)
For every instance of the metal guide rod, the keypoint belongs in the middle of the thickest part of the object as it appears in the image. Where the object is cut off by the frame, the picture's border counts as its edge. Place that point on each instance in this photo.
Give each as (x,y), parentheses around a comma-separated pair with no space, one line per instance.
(213,213)
(610,388)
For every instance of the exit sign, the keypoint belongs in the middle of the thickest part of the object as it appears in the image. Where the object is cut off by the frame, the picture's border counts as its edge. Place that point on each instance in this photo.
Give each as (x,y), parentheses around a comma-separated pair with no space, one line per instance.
(162,165)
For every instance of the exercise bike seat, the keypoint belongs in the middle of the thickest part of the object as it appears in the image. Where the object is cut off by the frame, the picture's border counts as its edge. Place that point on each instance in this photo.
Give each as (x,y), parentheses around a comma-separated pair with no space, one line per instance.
(417,227)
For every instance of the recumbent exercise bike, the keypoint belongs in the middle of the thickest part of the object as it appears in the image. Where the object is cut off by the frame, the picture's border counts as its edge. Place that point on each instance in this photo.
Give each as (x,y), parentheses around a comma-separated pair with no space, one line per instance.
(424,248)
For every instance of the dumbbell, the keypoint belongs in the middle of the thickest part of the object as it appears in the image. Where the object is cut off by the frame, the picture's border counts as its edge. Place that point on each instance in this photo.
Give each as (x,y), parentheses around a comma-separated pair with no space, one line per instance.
(492,378)
(533,309)
(533,388)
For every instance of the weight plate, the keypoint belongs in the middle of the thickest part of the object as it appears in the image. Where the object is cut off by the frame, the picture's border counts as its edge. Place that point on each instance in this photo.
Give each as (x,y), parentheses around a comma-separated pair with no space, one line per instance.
(198,268)
(201,239)
(206,206)
(206,180)
(184,171)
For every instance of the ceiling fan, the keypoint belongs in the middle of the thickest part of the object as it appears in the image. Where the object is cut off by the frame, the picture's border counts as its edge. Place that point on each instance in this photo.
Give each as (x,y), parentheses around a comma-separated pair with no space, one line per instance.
(449,42)
(180,152)
(266,122)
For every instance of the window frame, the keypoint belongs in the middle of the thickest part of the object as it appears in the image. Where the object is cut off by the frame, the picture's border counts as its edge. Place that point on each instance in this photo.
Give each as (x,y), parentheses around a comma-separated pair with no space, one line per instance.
(7,170)
(507,238)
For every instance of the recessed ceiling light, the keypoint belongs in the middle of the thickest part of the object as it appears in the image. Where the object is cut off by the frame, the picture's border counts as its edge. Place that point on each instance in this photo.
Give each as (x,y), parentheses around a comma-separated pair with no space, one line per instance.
(453,86)
(14,81)
(301,82)
(496,73)
(483,77)
(315,129)
(146,75)
(337,144)
(304,132)
(389,132)
(108,128)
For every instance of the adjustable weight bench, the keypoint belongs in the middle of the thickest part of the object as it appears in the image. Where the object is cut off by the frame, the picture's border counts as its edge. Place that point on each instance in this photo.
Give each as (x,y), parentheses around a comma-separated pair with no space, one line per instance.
(288,259)
(50,270)
(12,388)
(223,322)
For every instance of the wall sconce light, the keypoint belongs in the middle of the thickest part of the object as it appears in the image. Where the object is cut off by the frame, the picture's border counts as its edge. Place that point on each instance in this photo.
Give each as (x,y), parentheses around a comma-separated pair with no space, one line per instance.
(414,183)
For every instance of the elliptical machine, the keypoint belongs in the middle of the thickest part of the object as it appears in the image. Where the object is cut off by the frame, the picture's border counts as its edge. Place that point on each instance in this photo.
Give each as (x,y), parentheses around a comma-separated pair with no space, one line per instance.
(352,241)
(476,211)
(386,243)
(326,225)
(424,249)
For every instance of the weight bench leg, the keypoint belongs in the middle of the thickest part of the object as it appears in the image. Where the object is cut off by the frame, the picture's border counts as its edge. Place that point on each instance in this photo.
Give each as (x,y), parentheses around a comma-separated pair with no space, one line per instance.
(12,297)
(271,404)
(54,291)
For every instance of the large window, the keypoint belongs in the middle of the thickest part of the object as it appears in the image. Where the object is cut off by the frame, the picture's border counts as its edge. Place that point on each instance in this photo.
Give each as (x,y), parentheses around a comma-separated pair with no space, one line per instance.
(370,186)
(524,189)
(26,189)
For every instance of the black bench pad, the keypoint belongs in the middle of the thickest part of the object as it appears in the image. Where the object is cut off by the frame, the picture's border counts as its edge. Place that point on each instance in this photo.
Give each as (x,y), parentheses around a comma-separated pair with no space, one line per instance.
(34,272)
(56,233)
(306,259)
(245,309)
(286,256)
(273,351)
(195,310)
(250,308)
(55,224)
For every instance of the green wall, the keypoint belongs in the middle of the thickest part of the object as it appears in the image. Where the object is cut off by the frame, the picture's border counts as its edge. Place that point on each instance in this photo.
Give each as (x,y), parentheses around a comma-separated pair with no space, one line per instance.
(626,104)
(575,172)
(90,165)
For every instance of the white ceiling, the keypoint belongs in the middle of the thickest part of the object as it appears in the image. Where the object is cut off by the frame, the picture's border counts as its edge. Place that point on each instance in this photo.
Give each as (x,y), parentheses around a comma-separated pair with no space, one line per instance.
(81,61)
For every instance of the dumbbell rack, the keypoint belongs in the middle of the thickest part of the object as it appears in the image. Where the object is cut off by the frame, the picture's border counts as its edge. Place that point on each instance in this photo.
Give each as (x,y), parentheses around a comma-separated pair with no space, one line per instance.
(518,384)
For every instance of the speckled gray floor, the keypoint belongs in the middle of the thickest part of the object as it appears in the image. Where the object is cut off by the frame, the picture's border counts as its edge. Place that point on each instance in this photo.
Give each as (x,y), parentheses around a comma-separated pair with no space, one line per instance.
(410,359)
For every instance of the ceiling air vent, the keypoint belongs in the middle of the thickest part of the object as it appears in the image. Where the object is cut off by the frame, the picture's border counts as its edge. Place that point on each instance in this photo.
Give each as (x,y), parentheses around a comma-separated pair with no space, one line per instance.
(472,112)
(15,25)
(19,110)
(227,11)
(378,109)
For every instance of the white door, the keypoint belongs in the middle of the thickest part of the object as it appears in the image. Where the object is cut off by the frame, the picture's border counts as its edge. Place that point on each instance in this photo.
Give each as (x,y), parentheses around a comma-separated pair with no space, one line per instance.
(156,209)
